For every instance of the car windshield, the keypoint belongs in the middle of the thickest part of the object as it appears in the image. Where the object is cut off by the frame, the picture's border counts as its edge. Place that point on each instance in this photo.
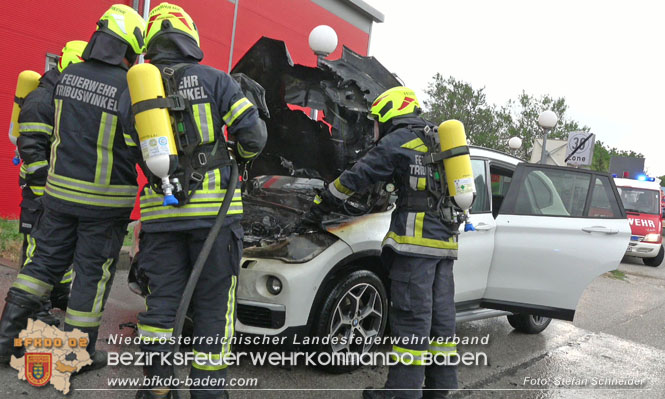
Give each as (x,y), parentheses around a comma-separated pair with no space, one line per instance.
(640,200)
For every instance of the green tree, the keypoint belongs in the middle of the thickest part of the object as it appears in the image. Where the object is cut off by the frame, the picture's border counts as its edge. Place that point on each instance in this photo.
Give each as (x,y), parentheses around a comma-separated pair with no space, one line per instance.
(602,155)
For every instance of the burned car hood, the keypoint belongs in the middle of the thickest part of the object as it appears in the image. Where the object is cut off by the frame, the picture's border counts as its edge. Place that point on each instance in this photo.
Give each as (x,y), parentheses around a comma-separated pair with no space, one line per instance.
(342,89)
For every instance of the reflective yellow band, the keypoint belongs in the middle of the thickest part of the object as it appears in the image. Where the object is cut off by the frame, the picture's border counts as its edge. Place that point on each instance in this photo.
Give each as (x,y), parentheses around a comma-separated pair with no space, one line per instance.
(188,211)
(35,127)
(421,246)
(98,303)
(317,200)
(30,250)
(408,357)
(416,145)
(56,130)
(32,285)
(92,188)
(447,348)
(67,278)
(89,199)
(236,110)
(230,315)
(105,138)
(420,219)
(246,154)
(37,190)
(128,140)
(203,119)
(150,334)
(339,191)
(422,184)
(21,172)
(208,361)
(78,318)
(35,166)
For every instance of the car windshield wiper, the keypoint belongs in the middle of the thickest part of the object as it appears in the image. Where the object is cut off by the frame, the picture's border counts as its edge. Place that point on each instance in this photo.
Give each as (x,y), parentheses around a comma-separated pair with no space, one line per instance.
(634,210)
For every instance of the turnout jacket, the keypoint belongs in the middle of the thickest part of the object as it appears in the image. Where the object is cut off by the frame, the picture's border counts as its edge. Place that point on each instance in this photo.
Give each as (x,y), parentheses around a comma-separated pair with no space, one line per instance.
(214,100)
(34,142)
(398,157)
(92,171)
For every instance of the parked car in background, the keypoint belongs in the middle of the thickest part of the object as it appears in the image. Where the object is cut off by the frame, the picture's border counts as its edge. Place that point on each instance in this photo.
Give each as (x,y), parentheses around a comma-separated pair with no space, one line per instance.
(642,200)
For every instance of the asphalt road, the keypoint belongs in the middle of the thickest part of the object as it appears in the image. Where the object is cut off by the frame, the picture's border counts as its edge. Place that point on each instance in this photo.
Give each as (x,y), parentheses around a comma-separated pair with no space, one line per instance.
(617,334)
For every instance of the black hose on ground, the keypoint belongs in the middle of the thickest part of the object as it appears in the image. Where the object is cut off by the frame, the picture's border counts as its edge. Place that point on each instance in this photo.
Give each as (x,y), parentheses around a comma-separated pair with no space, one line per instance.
(203,256)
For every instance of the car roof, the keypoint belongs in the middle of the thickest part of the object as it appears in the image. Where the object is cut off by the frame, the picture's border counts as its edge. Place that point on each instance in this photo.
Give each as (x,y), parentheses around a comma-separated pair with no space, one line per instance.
(649,185)
(494,155)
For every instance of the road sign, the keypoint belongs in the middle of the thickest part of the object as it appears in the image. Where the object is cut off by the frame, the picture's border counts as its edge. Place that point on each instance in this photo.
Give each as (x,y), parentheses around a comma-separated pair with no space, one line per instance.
(580,148)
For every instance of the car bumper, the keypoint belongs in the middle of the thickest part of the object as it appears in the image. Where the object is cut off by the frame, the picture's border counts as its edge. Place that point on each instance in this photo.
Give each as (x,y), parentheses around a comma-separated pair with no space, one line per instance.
(642,249)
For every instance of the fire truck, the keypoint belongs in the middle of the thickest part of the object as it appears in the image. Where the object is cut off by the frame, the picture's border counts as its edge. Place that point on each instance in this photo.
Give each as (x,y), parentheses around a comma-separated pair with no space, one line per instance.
(642,198)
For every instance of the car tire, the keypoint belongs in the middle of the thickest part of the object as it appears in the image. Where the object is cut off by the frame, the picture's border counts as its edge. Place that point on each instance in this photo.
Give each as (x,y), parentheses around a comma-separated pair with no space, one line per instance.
(656,260)
(529,324)
(356,306)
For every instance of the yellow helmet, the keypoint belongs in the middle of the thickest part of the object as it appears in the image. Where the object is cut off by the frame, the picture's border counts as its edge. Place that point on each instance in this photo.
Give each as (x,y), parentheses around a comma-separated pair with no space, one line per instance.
(170,18)
(71,53)
(124,23)
(397,101)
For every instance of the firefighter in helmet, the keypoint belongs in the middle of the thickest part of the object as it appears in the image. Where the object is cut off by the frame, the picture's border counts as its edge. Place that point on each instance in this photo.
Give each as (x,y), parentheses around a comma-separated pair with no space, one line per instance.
(172,236)
(418,250)
(90,188)
(34,146)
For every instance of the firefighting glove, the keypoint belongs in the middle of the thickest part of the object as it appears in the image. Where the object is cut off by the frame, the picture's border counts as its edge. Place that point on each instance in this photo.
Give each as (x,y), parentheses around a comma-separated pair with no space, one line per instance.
(324,203)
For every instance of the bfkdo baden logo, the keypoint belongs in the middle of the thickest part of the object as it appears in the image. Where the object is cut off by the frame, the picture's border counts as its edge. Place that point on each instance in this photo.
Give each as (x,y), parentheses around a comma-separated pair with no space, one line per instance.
(38,367)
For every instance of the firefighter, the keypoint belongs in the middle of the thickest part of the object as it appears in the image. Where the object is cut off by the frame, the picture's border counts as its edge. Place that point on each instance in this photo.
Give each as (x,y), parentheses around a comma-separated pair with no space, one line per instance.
(418,250)
(34,146)
(172,236)
(90,188)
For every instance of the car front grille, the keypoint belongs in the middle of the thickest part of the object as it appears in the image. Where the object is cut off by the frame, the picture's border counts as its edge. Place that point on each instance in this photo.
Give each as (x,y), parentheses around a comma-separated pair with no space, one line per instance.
(257,316)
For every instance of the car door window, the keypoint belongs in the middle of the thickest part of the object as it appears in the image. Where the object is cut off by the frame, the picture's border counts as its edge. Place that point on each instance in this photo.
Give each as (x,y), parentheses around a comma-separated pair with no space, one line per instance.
(552,192)
(603,201)
(481,204)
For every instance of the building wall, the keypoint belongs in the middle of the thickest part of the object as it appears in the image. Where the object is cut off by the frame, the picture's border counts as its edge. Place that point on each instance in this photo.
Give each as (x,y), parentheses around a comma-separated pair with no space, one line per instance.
(33,28)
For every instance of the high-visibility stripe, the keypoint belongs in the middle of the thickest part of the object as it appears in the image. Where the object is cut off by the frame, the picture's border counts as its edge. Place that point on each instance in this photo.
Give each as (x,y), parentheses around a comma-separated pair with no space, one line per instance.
(422,184)
(150,334)
(338,190)
(151,199)
(98,303)
(447,348)
(246,154)
(188,211)
(32,285)
(203,119)
(411,224)
(56,130)
(208,361)
(92,188)
(237,109)
(35,127)
(420,245)
(129,141)
(68,277)
(37,190)
(105,137)
(416,145)
(35,166)
(30,250)
(21,172)
(420,219)
(408,357)
(317,199)
(230,315)
(89,199)
(213,180)
(79,318)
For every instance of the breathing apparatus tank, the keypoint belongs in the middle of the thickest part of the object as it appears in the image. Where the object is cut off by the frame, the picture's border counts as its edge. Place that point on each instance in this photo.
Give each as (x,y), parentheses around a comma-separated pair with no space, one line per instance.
(457,164)
(27,82)
(154,126)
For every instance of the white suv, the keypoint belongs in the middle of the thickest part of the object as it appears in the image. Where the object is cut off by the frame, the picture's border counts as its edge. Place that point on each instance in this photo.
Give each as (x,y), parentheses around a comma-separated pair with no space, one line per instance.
(543,233)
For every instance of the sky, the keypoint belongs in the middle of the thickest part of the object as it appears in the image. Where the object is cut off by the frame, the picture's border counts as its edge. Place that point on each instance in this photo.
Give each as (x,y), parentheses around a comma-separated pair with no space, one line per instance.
(607,59)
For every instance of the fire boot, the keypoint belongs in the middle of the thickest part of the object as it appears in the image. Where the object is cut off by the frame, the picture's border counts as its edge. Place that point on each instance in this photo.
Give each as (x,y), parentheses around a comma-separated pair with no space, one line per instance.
(157,373)
(19,306)
(372,393)
(99,357)
(60,296)
(44,314)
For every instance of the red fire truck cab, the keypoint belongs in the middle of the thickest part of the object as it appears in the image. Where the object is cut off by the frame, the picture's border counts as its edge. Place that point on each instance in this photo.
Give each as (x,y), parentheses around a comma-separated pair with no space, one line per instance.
(642,198)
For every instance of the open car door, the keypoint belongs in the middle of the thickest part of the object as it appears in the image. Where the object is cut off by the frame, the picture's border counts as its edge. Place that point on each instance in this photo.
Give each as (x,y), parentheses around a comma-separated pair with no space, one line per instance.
(558,229)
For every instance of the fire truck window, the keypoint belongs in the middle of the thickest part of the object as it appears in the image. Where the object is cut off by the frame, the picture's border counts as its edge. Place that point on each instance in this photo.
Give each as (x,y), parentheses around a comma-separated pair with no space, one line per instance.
(603,203)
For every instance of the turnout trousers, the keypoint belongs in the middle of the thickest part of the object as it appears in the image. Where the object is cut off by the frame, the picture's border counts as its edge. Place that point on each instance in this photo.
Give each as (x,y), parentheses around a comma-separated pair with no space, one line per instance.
(167,259)
(92,245)
(422,316)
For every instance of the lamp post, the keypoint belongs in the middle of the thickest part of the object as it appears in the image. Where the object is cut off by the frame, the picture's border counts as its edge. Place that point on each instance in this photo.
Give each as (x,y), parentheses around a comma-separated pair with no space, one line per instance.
(515,143)
(547,120)
(322,41)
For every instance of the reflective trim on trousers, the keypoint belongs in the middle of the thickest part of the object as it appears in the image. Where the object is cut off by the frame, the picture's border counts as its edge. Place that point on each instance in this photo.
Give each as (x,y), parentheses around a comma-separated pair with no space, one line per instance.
(79,318)
(208,361)
(230,315)
(31,285)
(98,303)
(150,334)
(419,249)
(407,357)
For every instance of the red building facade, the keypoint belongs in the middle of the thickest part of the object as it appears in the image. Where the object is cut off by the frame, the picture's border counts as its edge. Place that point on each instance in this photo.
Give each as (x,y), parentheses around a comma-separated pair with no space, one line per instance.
(33,29)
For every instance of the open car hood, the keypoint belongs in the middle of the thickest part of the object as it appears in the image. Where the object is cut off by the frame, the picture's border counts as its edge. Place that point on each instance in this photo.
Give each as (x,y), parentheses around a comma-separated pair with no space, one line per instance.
(342,89)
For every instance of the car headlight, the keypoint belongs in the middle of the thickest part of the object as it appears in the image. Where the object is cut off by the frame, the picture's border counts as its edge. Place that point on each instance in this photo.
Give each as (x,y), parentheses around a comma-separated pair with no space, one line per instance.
(652,237)
(296,248)
(274,285)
